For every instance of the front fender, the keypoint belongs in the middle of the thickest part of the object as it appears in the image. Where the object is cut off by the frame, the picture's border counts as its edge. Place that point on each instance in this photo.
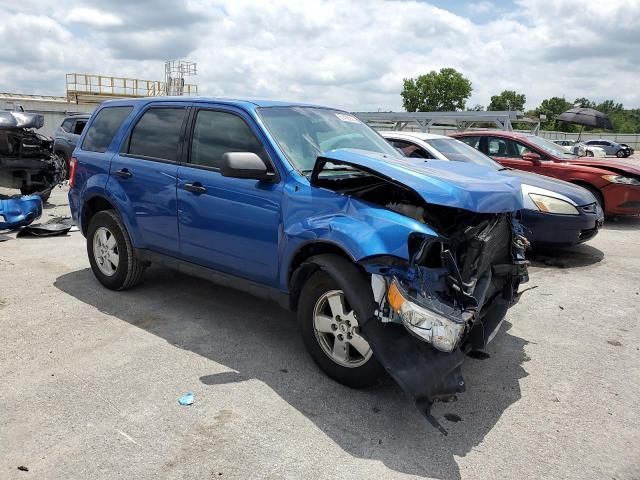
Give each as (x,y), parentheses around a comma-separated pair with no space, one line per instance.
(359,229)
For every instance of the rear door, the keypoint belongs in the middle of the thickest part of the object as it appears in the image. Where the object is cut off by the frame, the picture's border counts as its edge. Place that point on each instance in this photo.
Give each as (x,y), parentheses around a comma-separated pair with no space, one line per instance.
(143,175)
(228,224)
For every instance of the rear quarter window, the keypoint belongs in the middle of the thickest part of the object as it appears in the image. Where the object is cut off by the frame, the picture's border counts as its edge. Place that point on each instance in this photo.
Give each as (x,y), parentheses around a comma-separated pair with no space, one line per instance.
(104,127)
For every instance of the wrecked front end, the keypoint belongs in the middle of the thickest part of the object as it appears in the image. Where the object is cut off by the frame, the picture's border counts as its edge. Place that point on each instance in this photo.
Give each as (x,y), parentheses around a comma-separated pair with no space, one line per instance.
(450,295)
(448,299)
(27,161)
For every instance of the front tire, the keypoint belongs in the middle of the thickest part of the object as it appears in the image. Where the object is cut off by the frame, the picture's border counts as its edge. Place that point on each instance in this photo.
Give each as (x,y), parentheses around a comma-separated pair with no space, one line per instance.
(331,335)
(111,255)
(621,154)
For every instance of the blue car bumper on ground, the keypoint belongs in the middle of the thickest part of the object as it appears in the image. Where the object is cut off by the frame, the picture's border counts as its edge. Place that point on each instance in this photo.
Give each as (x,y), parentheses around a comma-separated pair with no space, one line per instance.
(561,230)
(19,211)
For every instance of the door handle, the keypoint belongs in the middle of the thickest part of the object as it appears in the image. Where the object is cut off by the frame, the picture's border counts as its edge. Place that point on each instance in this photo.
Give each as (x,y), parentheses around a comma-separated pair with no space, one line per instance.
(124,173)
(195,187)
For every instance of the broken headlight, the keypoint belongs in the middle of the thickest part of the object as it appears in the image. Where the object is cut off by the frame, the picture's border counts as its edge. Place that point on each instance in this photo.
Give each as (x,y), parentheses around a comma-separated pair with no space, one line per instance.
(435,327)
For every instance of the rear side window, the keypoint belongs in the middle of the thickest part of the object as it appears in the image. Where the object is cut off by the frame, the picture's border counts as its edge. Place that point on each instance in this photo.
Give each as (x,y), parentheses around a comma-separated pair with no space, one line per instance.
(157,133)
(410,150)
(104,128)
(471,141)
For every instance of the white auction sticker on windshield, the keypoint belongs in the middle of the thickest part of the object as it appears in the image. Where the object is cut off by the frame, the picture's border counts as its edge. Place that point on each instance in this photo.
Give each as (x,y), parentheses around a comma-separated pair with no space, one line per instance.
(347,118)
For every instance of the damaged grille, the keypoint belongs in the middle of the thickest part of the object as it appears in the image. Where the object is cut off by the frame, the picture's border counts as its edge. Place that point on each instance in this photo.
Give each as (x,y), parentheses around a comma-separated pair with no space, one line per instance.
(476,270)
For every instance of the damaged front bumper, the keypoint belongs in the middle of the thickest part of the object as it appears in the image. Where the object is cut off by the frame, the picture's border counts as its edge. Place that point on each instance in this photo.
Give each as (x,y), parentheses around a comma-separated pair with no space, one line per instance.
(451,297)
(19,211)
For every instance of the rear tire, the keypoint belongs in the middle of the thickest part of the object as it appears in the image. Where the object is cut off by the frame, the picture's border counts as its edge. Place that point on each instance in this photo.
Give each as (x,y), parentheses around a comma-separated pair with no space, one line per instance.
(111,255)
(352,366)
(589,153)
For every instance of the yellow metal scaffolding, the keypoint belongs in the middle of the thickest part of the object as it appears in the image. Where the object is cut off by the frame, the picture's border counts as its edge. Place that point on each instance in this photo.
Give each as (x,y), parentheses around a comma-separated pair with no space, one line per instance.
(87,88)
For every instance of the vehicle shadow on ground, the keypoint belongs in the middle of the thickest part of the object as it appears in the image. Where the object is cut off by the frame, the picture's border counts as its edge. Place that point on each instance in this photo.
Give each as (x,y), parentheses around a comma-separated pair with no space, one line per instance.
(565,257)
(622,223)
(258,340)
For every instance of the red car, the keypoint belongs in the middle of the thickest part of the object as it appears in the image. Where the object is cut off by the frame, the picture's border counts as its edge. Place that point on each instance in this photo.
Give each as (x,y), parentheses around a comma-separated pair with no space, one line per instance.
(614,182)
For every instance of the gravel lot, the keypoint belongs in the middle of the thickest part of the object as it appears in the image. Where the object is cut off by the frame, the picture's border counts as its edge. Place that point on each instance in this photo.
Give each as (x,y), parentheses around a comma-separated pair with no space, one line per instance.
(91,379)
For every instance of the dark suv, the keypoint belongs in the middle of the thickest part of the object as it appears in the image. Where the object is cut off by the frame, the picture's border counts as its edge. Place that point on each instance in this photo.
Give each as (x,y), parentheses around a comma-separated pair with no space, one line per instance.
(388,262)
(66,136)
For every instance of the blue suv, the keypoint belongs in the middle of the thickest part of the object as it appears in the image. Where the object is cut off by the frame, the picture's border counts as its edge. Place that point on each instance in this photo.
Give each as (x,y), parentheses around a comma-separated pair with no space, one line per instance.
(390,264)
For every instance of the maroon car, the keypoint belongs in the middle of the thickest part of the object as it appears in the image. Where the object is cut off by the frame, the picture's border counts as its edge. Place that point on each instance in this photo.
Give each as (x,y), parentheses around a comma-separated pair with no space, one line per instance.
(614,182)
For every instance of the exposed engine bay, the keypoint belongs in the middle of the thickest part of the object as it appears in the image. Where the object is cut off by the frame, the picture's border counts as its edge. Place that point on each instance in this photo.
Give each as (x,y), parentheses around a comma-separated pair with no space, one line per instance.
(27,162)
(452,294)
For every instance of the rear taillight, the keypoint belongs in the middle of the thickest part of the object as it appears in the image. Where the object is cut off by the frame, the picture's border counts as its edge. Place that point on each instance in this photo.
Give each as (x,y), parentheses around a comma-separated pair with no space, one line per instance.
(73,165)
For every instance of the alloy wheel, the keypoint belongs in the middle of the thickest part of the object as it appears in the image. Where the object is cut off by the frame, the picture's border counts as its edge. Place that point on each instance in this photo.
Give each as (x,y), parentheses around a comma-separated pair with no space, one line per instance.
(336,329)
(105,251)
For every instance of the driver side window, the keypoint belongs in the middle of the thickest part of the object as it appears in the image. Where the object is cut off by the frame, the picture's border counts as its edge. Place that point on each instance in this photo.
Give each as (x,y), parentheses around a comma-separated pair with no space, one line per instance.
(216,133)
(505,148)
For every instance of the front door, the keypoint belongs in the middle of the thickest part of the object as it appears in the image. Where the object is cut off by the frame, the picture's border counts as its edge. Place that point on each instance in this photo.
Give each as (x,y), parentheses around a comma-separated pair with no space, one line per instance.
(145,173)
(509,153)
(229,224)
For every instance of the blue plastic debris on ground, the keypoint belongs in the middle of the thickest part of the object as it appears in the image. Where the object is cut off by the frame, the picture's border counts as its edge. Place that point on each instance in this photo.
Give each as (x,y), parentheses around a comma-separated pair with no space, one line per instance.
(18,212)
(186,399)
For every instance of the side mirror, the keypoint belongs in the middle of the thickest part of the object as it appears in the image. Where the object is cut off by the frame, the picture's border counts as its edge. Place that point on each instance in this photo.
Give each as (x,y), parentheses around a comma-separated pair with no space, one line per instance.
(245,165)
(532,157)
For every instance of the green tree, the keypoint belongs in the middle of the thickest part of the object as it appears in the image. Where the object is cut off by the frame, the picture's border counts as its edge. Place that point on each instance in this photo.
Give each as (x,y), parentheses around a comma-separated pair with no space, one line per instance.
(609,106)
(552,107)
(443,91)
(584,103)
(508,100)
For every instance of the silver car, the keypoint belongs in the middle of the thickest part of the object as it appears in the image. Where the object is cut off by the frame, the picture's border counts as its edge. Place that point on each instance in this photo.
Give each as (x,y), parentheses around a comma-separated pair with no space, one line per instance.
(610,148)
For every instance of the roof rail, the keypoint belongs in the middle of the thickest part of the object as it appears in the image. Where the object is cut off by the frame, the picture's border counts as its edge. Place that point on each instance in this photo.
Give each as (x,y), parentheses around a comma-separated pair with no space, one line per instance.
(503,120)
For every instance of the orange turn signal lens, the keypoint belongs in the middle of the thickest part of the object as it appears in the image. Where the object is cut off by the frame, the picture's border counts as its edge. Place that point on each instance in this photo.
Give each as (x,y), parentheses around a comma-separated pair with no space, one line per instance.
(541,206)
(394,297)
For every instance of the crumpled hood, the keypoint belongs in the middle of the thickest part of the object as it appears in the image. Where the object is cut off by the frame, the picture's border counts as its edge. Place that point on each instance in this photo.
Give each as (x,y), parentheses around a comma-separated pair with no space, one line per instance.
(453,184)
(581,196)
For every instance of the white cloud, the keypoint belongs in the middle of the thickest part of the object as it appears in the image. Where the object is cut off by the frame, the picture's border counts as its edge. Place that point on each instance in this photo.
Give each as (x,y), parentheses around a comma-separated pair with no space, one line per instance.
(480,7)
(93,17)
(345,53)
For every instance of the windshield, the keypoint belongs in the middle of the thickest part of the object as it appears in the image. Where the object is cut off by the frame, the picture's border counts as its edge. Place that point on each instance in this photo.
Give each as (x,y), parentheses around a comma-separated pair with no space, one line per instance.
(304,133)
(458,151)
(549,147)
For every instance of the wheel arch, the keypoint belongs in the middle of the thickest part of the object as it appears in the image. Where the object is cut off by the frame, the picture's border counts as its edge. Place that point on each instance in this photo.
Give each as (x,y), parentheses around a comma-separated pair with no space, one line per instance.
(91,206)
(592,188)
(305,262)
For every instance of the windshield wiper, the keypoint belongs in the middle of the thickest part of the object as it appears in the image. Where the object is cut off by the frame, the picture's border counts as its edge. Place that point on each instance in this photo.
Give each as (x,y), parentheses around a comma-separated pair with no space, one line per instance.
(504,168)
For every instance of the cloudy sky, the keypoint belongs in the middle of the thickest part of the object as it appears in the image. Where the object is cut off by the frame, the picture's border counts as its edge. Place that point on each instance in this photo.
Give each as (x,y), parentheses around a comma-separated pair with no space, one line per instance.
(345,53)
